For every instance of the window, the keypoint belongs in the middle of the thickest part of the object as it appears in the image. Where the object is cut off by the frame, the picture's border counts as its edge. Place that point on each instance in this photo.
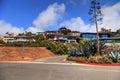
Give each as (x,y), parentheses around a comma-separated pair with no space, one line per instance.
(104,36)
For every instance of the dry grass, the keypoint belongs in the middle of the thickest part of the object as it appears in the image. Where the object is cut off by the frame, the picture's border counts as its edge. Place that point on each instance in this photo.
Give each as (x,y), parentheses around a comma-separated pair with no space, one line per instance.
(30,53)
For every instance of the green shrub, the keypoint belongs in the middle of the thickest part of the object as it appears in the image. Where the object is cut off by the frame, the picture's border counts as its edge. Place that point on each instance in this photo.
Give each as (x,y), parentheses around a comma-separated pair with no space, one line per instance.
(13,44)
(92,59)
(80,59)
(82,42)
(100,59)
(57,48)
(31,44)
(105,60)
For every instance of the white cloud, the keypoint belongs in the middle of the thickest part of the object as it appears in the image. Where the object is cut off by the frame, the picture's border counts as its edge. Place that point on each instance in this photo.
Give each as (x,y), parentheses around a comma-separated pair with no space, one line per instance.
(73,2)
(48,17)
(34,29)
(7,27)
(76,24)
(111,17)
(76,2)
(111,20)
(54,12)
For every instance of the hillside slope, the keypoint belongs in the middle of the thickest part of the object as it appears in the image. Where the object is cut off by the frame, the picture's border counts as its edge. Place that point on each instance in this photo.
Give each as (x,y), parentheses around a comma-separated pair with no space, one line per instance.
(29,53)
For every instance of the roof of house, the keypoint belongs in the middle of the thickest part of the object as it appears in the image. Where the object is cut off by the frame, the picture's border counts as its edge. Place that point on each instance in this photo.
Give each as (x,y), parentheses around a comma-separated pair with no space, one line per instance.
(70,37)
(51,31)
(93,33)
(110,38)
(75,31)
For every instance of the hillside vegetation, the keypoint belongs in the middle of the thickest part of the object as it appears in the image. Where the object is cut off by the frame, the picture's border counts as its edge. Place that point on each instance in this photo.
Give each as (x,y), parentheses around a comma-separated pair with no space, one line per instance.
(29,53)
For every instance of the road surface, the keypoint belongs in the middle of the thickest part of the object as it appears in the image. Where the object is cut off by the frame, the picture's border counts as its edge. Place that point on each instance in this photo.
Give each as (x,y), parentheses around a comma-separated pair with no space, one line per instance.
(54,71)
(57,59)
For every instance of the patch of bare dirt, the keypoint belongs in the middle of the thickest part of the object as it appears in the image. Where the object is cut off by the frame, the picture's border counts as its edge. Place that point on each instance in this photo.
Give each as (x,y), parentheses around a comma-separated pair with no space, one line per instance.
(29,53)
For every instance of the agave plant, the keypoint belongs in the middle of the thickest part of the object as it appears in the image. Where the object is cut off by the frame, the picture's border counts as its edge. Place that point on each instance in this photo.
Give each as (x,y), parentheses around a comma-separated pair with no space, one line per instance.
(90,48)
(86,50)
(114,55)
(102,44)
(75,52)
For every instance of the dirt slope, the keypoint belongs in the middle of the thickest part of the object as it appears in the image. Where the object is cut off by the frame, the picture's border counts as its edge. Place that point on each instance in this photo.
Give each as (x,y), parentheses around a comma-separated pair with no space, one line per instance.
(29,53)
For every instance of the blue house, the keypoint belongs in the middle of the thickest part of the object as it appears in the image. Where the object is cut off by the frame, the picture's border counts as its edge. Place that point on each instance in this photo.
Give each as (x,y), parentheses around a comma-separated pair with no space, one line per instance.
(111,41)
(88,35)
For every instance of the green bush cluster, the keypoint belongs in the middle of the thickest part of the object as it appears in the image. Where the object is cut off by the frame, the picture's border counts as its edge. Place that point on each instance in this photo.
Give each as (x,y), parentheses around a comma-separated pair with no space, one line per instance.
(57,48)
(92,59)
(20,44)
(13,44)
(76,58)
(89,49)
(104,59)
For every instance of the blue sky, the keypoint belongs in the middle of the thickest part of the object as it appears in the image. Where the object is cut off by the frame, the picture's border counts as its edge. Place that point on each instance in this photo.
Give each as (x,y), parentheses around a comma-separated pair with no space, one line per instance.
(41,15)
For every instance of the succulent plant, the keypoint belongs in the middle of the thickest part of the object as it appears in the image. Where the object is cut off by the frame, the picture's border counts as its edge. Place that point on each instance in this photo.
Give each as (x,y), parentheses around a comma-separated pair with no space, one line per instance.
(86,50)
(75,52)
(114,55)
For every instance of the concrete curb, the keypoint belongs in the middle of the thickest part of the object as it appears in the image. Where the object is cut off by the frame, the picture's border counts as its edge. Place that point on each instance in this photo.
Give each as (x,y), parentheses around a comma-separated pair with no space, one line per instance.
(94,64)
(26,60)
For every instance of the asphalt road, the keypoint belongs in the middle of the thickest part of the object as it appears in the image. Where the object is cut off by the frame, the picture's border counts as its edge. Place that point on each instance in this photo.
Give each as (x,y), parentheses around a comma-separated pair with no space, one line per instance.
(61,71)
(58,59)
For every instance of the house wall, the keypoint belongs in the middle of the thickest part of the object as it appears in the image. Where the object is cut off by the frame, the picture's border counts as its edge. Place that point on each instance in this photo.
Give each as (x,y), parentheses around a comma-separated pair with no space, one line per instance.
(111,41)
(94,35)
(75,34)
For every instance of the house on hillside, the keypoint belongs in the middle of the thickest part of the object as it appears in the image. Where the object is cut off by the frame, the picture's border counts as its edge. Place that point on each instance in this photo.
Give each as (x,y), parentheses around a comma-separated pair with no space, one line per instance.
(88,35)
(75,33)
(39,33)
(29,37)
(60,38)
(24,39)
(111,41)
(2,39)
(46,33)
(71,39)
